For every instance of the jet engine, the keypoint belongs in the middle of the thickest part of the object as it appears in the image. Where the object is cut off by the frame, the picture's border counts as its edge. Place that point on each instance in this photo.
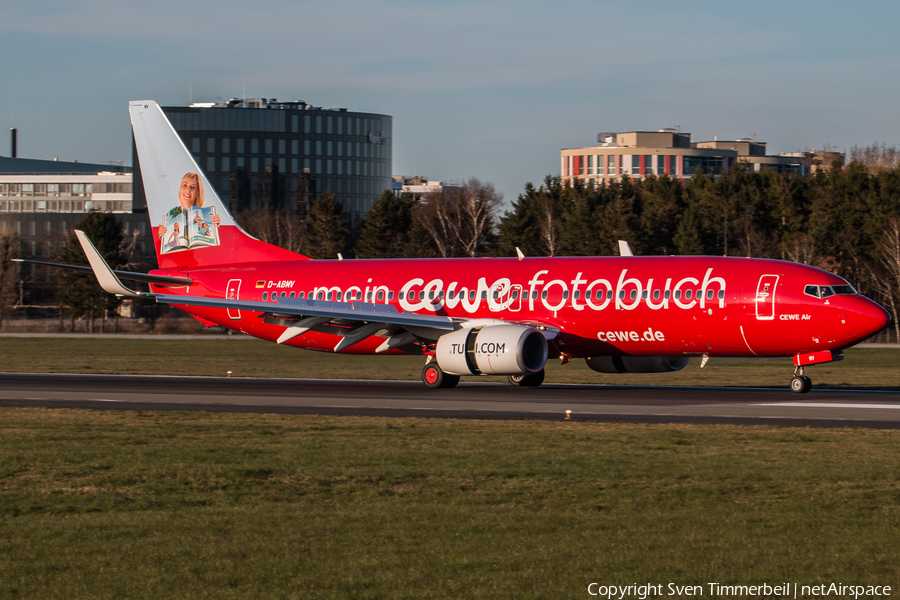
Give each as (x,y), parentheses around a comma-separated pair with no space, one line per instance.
(492,350)
(637,364)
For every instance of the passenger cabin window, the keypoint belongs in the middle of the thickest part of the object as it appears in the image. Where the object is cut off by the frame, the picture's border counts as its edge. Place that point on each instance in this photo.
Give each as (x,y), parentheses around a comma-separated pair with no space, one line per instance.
(265,296)
(381,294)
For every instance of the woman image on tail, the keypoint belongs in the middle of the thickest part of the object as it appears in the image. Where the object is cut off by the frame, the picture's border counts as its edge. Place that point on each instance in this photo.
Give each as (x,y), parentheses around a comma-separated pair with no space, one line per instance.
(190,193)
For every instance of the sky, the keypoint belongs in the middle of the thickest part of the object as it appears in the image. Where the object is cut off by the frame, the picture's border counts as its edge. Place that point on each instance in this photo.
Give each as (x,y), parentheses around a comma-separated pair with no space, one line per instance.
(486,89)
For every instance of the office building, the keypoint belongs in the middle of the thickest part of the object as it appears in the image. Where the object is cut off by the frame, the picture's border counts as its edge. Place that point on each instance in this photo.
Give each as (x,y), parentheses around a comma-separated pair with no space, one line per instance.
(280,155)
(638,154)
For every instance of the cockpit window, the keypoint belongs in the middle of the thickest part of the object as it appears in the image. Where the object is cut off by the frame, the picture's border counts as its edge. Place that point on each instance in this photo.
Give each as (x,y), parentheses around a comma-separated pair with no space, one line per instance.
(824,291)
(843,289)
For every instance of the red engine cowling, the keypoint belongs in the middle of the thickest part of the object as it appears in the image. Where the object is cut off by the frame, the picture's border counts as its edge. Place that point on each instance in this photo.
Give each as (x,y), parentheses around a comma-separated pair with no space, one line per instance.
(637,364)
(492,350)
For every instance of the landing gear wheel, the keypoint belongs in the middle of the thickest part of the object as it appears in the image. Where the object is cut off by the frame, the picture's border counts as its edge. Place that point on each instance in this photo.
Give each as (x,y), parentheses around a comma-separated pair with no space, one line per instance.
(801,384)
(530,380)
(434,377)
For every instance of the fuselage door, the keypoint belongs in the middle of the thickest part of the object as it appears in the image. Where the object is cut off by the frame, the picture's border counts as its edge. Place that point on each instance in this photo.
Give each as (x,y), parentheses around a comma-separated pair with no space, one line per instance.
(765,297)
(515,298)
(233,292)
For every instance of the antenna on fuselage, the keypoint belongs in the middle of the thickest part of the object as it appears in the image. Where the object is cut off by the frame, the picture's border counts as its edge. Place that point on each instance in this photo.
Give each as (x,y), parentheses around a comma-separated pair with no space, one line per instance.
(625,249)
(519,253)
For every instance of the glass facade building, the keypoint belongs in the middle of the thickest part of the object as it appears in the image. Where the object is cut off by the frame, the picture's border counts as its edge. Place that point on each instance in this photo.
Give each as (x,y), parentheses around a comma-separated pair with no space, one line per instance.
(281,155)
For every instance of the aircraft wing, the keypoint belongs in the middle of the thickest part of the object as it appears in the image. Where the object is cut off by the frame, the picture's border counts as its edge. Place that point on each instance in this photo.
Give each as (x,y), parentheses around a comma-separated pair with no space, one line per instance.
(353,321)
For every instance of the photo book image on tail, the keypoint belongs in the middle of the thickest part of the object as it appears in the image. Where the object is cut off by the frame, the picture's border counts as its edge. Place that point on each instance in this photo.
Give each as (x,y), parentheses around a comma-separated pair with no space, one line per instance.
(189,228)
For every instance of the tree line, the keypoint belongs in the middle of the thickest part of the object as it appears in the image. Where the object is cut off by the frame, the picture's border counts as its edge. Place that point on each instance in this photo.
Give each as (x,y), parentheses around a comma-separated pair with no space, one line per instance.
(845,220)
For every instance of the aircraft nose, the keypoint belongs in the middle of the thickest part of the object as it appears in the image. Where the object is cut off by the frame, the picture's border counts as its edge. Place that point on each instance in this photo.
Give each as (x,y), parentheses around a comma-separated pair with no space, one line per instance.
(867,317)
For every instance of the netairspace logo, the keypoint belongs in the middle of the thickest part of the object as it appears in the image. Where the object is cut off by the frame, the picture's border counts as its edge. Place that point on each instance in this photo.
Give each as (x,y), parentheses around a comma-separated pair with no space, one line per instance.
(718,590)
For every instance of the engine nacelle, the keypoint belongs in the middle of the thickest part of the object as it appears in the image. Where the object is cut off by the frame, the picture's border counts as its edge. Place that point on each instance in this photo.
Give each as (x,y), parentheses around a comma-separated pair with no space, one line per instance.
(637,364)
(492,350)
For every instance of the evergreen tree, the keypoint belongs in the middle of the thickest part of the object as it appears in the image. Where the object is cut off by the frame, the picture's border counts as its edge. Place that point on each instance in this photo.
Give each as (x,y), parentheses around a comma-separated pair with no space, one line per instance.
(79,291)
(386,230)
(536,222)
(687,239)
(662,206)
(9,273)
(326,229)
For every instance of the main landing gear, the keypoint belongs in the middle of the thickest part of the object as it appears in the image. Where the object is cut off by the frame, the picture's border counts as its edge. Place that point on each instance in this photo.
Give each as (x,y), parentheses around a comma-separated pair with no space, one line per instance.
(530,380)
(434,377)
(800,383)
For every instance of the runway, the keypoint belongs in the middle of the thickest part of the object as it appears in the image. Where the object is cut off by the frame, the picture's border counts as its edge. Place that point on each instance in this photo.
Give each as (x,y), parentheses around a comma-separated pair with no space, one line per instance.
(470,400)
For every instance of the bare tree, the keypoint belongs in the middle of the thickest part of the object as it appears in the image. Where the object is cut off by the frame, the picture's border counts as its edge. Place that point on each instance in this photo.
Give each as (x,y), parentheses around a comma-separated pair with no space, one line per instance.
(877,157)
(801,249)
(279,227)
(548,224)
(889,257)
(461,222)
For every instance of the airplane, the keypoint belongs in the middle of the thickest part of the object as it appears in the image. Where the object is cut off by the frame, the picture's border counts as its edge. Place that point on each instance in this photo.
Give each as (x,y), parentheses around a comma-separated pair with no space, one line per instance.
(477,316)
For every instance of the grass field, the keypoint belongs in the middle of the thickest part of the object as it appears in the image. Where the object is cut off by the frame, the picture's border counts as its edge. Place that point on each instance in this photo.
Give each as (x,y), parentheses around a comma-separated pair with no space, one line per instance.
(862,368)
(199,505)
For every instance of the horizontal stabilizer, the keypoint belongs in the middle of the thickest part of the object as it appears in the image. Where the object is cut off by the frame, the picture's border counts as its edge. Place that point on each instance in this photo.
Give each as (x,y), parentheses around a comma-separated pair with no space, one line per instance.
(126,275)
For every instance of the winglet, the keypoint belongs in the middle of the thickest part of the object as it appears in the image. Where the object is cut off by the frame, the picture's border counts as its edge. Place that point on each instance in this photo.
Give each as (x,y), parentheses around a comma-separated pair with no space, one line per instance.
(625,249)
(105,276)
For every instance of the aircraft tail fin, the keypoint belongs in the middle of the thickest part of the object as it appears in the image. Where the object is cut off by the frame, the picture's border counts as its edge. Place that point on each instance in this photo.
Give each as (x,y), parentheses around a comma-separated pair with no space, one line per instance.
(190,224)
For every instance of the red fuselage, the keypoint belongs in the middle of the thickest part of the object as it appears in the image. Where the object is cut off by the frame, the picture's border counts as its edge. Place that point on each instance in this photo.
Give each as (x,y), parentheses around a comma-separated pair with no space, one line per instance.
(653,306)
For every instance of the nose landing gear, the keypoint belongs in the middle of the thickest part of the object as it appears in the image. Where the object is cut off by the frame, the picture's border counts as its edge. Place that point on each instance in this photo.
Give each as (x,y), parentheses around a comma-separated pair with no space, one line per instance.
(800,383)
